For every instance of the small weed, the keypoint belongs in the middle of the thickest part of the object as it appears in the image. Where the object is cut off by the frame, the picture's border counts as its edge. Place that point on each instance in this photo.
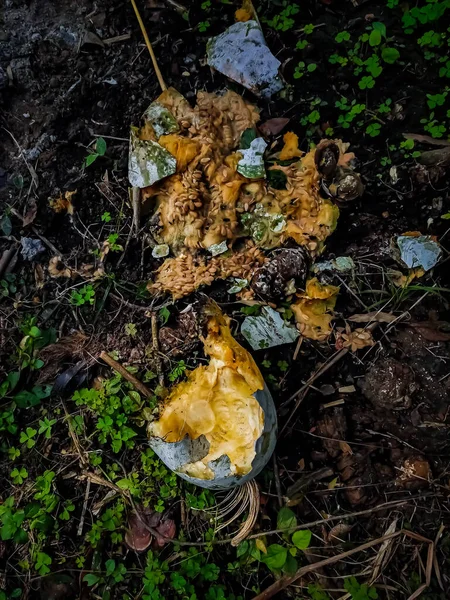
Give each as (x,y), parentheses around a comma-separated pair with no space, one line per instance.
(373,129)
(14,453)
(177,371)
(366,83)
(85,295)
(203,26)
(284,21)
(106,217)
(27,437)
(164,314)
(342,36)
(45,427)
(100,150)
(18,476)
(131,329)
(360,591)
(113,245)
(302,68)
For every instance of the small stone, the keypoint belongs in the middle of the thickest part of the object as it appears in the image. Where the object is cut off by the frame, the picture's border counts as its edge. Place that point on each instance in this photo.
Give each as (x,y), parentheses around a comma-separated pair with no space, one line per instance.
(31,248)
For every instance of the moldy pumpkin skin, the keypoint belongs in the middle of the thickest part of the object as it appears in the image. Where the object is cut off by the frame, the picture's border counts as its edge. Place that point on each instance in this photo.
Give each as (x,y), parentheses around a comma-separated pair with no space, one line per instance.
(218,429)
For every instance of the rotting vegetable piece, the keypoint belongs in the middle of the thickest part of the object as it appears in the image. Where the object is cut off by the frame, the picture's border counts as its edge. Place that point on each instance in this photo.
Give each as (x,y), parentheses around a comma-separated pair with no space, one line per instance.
(208,202)
(313,310)
(218,428)
(268,330)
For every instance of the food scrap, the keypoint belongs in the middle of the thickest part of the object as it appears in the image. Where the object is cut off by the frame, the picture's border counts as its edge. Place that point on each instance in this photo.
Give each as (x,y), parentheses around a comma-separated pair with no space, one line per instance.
(192,435)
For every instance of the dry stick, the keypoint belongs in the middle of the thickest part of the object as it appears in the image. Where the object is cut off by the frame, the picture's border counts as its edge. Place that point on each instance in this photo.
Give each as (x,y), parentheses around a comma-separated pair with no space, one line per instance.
(277,480)
(284,582)
(155,342)
(125,374)
(149,46)
(83,512)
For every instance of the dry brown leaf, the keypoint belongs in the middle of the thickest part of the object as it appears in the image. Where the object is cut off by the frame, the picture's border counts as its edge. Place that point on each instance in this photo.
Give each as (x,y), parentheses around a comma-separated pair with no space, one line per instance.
(375,316)
(164,532)
(31,213)
(273,126)
(138,537)
(337,533)
(345,448)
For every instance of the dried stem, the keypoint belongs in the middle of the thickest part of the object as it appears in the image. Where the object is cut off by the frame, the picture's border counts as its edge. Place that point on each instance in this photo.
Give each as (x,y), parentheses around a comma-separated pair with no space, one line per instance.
(149,46)
(125,374)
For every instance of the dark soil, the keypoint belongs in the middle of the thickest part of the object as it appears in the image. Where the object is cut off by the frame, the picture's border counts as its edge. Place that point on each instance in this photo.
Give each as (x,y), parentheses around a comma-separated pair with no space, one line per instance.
(378,419)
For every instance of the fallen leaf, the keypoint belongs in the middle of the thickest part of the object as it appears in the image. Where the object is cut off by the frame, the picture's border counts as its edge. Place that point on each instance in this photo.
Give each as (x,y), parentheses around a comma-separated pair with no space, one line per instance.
(337,533)
(430,330)
(425,139)
(345,448)
(31,213)
(375,316)
(164,532)
(333,483)
(273,126)
(138,537)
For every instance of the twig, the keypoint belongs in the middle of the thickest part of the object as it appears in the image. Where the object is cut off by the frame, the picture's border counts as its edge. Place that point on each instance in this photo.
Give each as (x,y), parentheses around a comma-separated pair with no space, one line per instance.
(284,582)
(149,46)
(83,512)
(136,202)
(155,342)
(117,38)
(125,374)
(277,480)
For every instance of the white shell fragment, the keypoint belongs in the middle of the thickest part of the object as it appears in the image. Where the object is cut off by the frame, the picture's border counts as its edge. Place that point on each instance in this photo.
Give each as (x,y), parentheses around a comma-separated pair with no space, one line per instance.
(241,53)
(421,251)
(160,251)
(148,162)
(238,286)
(268,330)
(251,164)
(217,249)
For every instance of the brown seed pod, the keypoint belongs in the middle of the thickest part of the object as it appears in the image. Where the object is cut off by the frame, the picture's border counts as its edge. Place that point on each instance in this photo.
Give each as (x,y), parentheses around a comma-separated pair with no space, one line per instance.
(326,158)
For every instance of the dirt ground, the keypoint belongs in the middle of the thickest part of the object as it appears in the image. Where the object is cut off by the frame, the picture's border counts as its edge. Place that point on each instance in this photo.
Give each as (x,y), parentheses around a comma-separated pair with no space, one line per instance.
(370,431)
